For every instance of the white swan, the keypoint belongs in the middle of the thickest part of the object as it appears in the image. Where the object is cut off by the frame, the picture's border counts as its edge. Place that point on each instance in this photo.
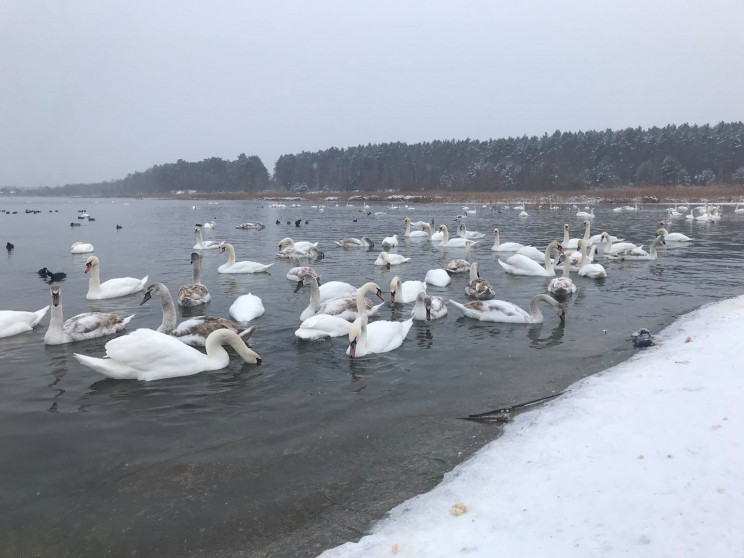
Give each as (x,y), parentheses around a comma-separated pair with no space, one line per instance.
(329,290)
(88,325)
(573,243)
(379,337)
(193,331)
(428,307)
(611,248)
(344,306)
(323,325)
(597,239)
(195,293)
(240,267)
(246,308)
(457,266)
(587,269)
(209,225)
(298,272)
(364,242)
(81,248)
(405,292)
(502,311)
(738,208)
(639,254)
(13,322)
(673,237)
(454,242)
(390,259)
(463,232)
(504,246)
(585,215)
(532,253)
(390,241)
(413,234)
(251,226)
(112,288)
(478,288)
(150,355)
(562,286)
(437,277)
(202,244)
(519,264)
(301,245)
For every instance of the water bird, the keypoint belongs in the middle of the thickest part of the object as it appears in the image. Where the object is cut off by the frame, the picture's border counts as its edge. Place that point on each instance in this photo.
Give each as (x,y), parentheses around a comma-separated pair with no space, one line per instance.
(407,291)
(195,293)
(112,288)
(390,259)
(428,307)
(298,222)
(81,248)
(519,264)
(119,227)
(74,224)
(478,288)
(9,246)
(240,267)
(506,312)
(13,322)
(55,277)
(202,244)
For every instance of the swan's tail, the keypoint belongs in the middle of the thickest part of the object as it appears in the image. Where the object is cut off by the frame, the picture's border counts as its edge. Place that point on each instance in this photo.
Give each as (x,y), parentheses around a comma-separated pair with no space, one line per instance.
(247,332)
(129,319)
(144,281)
(102,365)
(464,309)
(39,315)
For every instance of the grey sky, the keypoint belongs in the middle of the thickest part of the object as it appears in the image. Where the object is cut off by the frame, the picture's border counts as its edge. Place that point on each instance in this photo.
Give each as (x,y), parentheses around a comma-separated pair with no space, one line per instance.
(93,90)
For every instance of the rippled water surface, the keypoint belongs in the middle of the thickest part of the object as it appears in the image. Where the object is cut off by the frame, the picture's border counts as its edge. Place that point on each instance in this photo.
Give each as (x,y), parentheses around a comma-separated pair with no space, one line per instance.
(302,452)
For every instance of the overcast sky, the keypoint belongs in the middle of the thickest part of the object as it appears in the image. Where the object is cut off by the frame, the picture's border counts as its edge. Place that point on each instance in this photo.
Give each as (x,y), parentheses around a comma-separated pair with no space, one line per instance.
(91,90)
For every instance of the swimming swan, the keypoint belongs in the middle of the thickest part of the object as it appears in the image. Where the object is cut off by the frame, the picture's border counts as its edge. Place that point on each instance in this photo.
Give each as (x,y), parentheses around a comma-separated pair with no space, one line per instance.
(240,267)
(478,288)
(345,306)
(505,246)
(502,311)
(463,232)
(112,288)
(322,325)
(300,246)
(364,242)
(639,254)
(428,307)
(457,266)
(195,293)
(13,322)
(562,286)
(202,244)
(150,355)
(437,277)
(454,242)
(390,241)
(519,264)
(379,337)
(81,248)
(673,237)
(413,234)
(390,259)
(298,272)
(587,269)
(88,325)
(405,292)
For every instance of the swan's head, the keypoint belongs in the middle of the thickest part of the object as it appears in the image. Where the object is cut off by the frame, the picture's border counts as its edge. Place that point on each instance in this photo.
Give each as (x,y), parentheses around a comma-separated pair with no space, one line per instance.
(586,224)
(442,228)
(395,285)
(225,248)
(582,243)
(90,263)
(555,245)
(288,242)
(605,237)
(566,227)
(154,289)
(660,238)
(495,232)
(423,298)
(385,259)
(198,228)
(662,232)
(407,221)
(354,334)
(195,257)
(461,227)
(55,290)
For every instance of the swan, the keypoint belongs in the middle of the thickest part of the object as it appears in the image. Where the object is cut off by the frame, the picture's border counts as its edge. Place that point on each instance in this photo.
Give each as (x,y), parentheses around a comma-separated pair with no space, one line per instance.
(458,266)
(585,215)
(291,253)
(617,209)
(298,272)
(673,212)
(329,290)
(195,293)
(519,264)
(597,239)
(428,307)
(13,322)
(379,337)
(437,277)
(562,286)
(439,235)
(364,242)
(246,308)
(532,253)
(631,207)
(302,245)
(638,253)
(478,288)
(209,225)
(502,311)
(454,242)
(323,325)
(463,232)
(240,267)
(738,209)
(673,237)
(345,306)
(414,234)
(504,246)
(523,213)
(112,288)
(81,248)
(587,269)
(193,331)
(610,249)
(248,226)
(202,244)
(573,243)
(150,355)
(390,259)
(406,291)
(88,325)
(390,241)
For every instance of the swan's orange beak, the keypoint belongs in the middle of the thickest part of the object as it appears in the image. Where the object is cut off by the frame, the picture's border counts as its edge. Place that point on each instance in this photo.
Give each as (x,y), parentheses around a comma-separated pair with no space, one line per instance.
(379,295)
(88,267)
(222,249)
(392,297)
(352,348)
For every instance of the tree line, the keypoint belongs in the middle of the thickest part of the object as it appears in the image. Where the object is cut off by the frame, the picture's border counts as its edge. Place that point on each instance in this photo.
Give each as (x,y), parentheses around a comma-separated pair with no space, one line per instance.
(672,155)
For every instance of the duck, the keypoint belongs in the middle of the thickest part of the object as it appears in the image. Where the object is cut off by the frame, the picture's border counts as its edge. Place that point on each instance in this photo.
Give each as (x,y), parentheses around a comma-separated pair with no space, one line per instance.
(209,225)
(413,234)
(478,288)
(299,272)
(195,293)
(454,242)
(390,241)
(562,286)
(639,254)
(673,237)
(428,307)
(202,244)
(88,325)
(148,355)
(364,242)
(344,306)
(240,267)
(9,246)
(498,246)
(381,336)
(587,269)
(463,232)
(585,215)
(390,259)
(300,246)
(406,291)
(113,288)
(457,266)
(519,264)
(437,278)
(193,331)
(55,277)
(119,227)
(73,224)
(250,226)
(13,322)
(506,312)
(81,248)
(320,326)
(246,308)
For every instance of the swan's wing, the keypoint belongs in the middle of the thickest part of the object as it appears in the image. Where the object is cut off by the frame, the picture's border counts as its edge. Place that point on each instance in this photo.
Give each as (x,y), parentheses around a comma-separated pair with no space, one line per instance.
(519,264)
(123,285)
(94,324)
(384,336)
(323,325)
(195,291)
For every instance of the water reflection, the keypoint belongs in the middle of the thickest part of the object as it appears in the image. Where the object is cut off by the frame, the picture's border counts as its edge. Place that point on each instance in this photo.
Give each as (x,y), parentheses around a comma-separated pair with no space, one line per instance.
(553,339)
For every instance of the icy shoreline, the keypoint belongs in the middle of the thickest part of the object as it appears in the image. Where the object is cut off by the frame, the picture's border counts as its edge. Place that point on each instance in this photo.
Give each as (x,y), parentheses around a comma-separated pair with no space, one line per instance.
(644,459)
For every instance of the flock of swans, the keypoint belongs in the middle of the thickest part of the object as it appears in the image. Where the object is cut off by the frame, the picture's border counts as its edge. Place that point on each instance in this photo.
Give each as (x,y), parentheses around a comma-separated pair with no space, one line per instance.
(335,308)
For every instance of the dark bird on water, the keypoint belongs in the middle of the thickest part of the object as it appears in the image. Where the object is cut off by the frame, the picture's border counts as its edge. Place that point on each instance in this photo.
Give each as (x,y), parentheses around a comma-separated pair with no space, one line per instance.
(9,246)
(307,222)
(74,224)
(55,277)
(119,227)
(277,222)
(298,222)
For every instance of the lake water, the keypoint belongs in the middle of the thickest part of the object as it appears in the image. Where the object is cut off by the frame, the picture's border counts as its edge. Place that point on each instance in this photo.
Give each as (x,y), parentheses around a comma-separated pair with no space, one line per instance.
(303,452)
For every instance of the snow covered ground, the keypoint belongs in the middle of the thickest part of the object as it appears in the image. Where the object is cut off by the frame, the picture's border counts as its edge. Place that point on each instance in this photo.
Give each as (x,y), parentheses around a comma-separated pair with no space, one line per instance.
(643,459)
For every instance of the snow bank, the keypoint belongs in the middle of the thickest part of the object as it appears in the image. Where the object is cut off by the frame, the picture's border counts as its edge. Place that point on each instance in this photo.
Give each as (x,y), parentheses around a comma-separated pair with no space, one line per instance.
(643,459)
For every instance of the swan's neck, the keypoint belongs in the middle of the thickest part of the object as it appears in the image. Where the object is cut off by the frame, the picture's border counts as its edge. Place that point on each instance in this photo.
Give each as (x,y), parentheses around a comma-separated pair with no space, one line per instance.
(496,241)
(230,256)
(654,244)
(548,265)
(57,319)
(362,309)
(586,231)
(565,236)
(94,284)
(314,294)
(169,313)
(199,241)
(196,272)
(445,236)
(535,314)
(408,228)
(216,351)
(567,266)
(473,272)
